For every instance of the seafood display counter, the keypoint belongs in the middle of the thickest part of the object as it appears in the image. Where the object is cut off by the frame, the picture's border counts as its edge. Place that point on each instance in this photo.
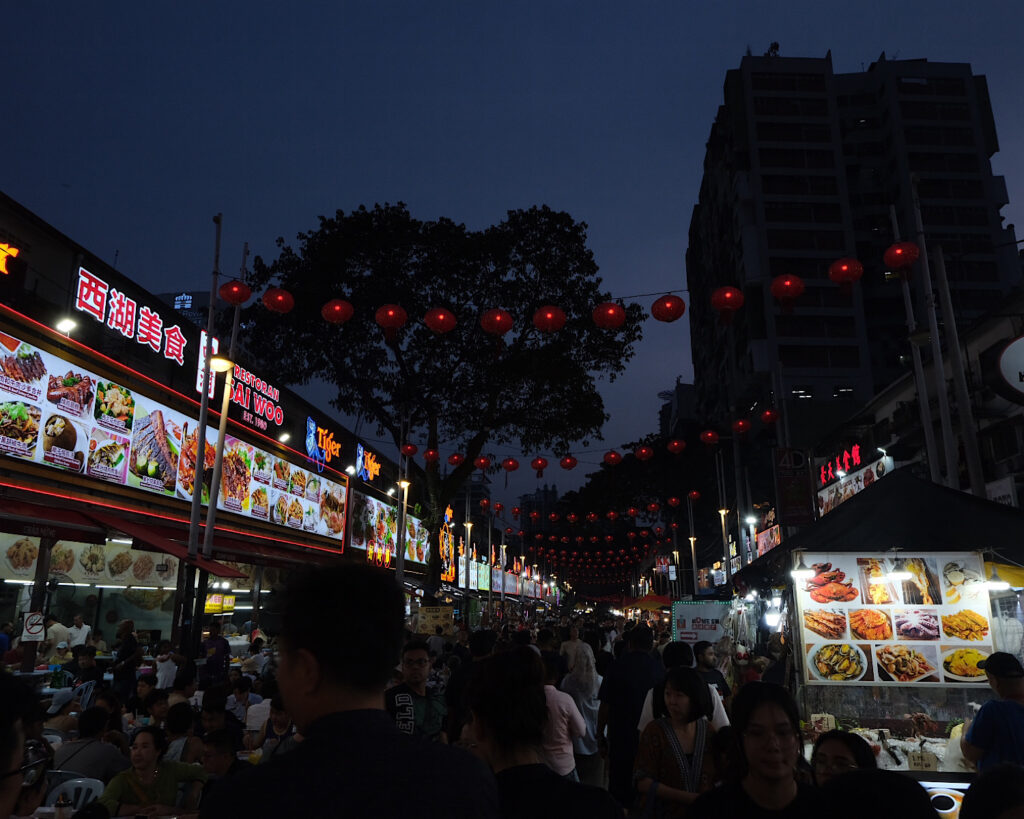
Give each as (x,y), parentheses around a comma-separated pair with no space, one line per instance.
(888,645)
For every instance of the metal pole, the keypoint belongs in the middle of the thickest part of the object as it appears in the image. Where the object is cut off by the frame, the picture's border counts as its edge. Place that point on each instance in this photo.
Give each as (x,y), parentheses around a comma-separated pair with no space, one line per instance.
(490,564)
(723,510)
(968,430)
(186,614)
(938,365)
(222,429)
(931,453)
(38,599)
(693,544)
(403,483)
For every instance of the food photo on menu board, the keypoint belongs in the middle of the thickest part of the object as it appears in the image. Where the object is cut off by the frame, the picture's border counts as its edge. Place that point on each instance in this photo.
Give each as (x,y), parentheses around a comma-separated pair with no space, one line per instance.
(904,619)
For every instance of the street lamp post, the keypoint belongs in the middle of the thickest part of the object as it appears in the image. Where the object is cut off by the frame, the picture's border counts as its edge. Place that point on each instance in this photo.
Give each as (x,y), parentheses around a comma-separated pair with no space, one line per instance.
(400,548)
(185,620)
(725,547)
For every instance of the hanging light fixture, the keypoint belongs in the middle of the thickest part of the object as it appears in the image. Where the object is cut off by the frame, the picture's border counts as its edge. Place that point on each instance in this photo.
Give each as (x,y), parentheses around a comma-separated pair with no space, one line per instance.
(801,572)
(995,582)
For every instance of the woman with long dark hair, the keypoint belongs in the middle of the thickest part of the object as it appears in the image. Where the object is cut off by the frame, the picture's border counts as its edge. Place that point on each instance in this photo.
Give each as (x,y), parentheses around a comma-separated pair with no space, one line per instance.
(766,750)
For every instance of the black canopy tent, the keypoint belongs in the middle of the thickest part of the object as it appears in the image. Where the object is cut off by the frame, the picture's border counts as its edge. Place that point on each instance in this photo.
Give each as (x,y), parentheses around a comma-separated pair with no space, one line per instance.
(899,510)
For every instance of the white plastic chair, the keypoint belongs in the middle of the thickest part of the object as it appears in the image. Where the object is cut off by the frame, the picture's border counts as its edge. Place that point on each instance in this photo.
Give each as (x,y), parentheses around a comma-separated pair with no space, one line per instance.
(84,694)
(80,791)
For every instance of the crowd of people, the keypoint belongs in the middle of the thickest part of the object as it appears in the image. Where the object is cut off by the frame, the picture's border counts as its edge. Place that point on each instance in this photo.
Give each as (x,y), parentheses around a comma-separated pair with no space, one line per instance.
(585,720)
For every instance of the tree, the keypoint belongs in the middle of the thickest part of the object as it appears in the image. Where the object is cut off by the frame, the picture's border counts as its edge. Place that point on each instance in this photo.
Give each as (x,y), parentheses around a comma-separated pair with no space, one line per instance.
(529,390)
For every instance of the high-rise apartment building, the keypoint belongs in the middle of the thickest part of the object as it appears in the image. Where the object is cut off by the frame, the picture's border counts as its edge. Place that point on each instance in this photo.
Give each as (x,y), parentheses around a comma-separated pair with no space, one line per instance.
(804,166)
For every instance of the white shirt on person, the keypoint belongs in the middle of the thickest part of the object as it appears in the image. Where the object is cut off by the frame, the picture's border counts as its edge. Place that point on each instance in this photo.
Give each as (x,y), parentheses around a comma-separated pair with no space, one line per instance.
(78,636)
(719,719)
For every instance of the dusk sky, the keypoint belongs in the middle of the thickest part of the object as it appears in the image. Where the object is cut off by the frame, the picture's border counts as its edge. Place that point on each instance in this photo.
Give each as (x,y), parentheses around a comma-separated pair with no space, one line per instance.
(128,125)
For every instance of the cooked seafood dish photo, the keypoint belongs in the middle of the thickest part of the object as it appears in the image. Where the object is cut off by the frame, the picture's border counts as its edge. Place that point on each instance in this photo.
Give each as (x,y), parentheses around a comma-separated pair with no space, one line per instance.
(962,664)
(903,664)
(965,625)
(22,554)
(829,624)
(870,624)
(838,662)
(917,624)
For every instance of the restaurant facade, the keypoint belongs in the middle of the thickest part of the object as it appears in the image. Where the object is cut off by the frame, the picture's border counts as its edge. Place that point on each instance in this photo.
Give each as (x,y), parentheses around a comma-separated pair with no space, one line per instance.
(100,389)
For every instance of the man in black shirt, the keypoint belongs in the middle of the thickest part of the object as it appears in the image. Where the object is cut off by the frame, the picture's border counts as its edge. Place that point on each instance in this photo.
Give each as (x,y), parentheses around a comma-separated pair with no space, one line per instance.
(416,709)
(622,696)
(705,655)
(353,761)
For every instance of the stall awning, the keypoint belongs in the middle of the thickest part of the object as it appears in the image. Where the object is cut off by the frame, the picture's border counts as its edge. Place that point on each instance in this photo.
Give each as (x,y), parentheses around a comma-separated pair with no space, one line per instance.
(145,534)
(22,518)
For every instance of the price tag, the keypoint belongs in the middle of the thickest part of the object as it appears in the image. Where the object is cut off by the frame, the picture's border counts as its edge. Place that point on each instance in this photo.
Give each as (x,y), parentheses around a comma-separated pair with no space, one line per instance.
(922,761)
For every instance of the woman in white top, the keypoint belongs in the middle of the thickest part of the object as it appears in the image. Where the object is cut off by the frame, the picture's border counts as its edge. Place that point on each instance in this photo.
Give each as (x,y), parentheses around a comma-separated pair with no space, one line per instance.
(167,663)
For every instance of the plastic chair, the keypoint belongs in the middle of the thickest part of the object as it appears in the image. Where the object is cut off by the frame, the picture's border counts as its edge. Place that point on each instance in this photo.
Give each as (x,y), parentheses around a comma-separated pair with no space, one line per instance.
(84,694)
(58,777)
(55,738)
(80,791)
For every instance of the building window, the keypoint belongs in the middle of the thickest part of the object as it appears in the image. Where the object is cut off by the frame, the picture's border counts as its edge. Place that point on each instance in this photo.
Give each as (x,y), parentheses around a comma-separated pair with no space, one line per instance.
(843,391)
(804,392)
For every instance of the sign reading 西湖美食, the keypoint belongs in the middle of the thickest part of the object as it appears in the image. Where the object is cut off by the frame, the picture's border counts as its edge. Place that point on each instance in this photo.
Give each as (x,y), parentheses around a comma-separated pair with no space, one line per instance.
(875,619)
(258,400)
(849,484)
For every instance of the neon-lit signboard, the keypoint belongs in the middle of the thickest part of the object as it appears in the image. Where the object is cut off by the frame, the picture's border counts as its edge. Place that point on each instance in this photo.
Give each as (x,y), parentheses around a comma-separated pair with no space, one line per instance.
(7,251)
(842,490)
(258,400)
(367,465)
(843,462)
(59,414)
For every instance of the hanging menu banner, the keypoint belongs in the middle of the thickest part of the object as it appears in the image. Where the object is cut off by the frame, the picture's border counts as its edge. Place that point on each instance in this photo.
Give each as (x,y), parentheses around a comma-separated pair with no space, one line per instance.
(917,619)
(375,531)
(55,413)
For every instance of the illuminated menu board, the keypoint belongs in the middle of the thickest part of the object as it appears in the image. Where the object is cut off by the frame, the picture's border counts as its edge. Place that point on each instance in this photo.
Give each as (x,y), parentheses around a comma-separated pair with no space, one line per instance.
(63,416)
(511,583)
(496,574)
(375,531)
(917,619)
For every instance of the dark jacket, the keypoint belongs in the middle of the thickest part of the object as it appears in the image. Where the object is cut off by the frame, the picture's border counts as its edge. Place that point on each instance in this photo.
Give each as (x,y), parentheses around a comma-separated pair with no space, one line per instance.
(358,764)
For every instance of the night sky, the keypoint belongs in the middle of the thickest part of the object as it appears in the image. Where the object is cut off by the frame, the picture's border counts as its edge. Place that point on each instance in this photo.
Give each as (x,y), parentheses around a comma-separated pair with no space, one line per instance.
(128,125)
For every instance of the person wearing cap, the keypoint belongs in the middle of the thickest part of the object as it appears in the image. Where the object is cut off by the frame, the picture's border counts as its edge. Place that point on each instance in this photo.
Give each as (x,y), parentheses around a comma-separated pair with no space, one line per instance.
(996,734)
(59,716)
(61,654)
(56,632)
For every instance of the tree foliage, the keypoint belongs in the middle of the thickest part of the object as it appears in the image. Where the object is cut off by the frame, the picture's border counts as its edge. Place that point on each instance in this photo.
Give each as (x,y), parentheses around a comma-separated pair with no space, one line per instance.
(466,390)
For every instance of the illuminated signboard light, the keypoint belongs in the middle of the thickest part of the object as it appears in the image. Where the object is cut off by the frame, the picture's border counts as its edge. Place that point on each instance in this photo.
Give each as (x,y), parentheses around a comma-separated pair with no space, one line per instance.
(7,252)
(66,325)
(284,437)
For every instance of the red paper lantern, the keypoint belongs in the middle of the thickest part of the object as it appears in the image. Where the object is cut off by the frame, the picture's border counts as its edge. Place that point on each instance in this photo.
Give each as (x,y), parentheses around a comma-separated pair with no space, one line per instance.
(609,315)
(499,508)
(631,535)
(653,508)
(901,256)
(337,311)
(674,501)
(508,530)
(440,320)
(568,462)
(787,289)
(632,512)
(534,515)
(644,533)
(612,458)
(409,450)
(592,517)
(553,517)
(769,416)
(391,318)
(612,515)
(497,322)
(431,455)
(676,446)
(510,464)
(456,459)
(485,504)
(538,536)
(540,464)
(643,453)
(709,437)
(572,517)
(609,538)
(235,292)
(693,495)
(727,300)
(482,462)
(845,272)
(741,426)
(515,512)
(278,300)
(668,308)
(549,319)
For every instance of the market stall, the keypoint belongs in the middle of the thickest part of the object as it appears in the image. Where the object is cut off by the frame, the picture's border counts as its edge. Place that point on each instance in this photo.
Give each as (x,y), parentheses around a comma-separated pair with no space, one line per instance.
(886,605)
